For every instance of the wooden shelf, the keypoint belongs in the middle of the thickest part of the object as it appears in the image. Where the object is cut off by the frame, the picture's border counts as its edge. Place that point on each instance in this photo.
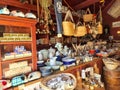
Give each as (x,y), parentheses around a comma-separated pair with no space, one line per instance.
(18,4)
(16,59)
(18,21)
(18,25)
(16,42)
(42,35)
(73,69)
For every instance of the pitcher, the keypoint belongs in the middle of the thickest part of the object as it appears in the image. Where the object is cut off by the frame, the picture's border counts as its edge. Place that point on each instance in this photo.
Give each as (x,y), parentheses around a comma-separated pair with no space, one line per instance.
(53,61)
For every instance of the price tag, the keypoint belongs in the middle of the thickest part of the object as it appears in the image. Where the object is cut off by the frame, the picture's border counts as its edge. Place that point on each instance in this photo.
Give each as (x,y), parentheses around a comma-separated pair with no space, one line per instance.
(59,35)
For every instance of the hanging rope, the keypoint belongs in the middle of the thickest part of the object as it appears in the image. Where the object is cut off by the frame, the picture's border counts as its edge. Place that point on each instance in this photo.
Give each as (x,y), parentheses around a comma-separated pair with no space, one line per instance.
(69,5)
(38,10)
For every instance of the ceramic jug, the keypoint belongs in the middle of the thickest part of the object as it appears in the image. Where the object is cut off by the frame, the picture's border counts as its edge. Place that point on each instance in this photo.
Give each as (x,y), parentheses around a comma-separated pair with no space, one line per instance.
(53,61)
(40,56)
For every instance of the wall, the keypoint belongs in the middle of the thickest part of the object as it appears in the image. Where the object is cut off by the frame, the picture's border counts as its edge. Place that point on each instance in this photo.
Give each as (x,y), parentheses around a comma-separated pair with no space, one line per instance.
(107,20)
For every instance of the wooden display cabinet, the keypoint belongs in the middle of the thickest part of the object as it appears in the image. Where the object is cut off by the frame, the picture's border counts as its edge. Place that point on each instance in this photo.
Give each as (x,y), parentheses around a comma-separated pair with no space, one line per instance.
(17,31)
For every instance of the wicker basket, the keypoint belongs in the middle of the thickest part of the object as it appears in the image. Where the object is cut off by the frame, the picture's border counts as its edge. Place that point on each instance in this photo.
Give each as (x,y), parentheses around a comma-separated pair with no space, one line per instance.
(80,30)
(99,28)
(68,26)
(48,79)
(88,17)
(110,63)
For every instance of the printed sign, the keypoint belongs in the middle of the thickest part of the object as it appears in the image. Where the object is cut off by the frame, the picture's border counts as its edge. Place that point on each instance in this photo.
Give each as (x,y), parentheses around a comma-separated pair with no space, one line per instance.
(116,24)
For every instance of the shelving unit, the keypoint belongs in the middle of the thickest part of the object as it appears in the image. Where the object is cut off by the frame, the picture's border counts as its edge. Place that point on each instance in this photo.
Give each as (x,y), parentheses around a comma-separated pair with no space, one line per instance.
(79,67)
(72,70)
(17,25)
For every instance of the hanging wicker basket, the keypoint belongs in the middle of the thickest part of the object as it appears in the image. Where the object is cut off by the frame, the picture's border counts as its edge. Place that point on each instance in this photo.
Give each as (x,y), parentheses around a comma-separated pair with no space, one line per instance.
(80,30)
(68,26)
(99,28)
(88,17)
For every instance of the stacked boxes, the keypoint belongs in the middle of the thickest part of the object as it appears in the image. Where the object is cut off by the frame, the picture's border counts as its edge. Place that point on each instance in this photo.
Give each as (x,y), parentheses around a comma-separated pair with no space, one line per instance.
(15,37)
(18,52)
(17,68)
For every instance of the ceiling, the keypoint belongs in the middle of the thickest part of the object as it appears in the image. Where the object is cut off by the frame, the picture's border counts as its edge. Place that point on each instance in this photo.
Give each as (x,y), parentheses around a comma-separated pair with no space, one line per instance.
(76,5)
(83,4)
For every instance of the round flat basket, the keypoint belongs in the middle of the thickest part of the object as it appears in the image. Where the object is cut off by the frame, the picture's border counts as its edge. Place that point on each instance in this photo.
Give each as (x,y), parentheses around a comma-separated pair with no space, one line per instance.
(63,81)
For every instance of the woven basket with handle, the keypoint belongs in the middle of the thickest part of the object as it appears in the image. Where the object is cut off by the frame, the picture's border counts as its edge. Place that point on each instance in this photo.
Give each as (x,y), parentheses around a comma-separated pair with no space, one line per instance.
(88,17)
(68,25)
(80,30)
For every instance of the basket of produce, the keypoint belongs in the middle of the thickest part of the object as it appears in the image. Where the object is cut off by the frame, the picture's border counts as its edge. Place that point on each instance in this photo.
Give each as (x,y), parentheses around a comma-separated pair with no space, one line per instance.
(63,81)
(111,63)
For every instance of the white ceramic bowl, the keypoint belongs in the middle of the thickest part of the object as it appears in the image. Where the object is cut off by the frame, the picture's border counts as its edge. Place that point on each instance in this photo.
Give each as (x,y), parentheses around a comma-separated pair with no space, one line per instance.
(45,69)
(55,67)
(30,15)
(68,61)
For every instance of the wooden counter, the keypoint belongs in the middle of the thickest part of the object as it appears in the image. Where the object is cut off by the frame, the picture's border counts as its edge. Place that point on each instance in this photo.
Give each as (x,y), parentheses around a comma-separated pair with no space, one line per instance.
(72,70)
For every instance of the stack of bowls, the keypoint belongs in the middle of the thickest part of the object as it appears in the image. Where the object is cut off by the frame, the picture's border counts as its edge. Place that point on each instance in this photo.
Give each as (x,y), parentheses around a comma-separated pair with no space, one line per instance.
(45,70)
(56,66)
(68,61)
(40,63)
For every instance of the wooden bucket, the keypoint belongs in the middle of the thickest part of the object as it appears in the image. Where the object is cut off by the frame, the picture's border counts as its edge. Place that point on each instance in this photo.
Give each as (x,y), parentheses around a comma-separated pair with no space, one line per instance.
(112,79)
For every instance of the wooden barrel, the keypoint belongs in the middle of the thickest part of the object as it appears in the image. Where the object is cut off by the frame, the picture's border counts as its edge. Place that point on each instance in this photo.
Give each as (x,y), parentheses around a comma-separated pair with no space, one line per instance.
(112,79)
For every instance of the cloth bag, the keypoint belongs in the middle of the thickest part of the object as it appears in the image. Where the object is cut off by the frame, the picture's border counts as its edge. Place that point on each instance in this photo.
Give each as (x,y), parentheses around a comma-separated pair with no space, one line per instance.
(88,17)
(68,26)
(80,30)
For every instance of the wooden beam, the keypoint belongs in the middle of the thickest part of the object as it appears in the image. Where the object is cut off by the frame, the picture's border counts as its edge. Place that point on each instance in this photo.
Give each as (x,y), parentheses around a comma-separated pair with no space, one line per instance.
(108,6)
(85,4)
